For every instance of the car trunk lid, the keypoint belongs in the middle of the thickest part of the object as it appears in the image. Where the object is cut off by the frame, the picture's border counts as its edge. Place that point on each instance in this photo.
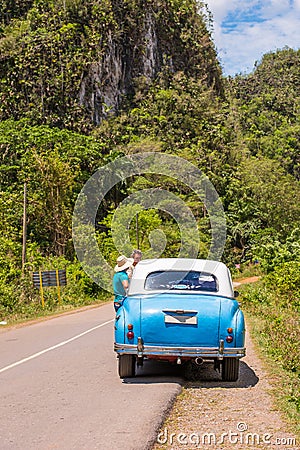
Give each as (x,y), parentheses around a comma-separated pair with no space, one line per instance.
(187,320)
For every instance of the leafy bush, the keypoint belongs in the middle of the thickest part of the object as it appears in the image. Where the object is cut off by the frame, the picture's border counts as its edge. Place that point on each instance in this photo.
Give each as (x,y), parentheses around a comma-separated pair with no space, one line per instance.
(272,253)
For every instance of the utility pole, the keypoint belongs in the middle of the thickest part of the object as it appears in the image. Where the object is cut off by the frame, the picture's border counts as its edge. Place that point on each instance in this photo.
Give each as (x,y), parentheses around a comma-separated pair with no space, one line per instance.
(137,230)
(24,227)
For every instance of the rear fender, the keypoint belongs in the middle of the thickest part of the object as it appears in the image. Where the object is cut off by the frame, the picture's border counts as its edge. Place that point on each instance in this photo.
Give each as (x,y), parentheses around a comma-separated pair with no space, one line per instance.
(128,313)
(119,326)
(232,317)
(240,329)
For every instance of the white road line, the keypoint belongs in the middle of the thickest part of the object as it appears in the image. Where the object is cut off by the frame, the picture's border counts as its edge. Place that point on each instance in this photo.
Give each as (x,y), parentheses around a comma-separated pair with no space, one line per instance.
(36,355)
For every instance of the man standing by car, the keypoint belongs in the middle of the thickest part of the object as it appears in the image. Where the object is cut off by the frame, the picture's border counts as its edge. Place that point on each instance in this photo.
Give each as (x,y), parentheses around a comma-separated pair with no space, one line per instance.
(136,255)
(121,279)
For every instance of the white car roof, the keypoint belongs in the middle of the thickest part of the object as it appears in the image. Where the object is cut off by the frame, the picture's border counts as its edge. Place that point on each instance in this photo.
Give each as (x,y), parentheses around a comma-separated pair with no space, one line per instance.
(216,268)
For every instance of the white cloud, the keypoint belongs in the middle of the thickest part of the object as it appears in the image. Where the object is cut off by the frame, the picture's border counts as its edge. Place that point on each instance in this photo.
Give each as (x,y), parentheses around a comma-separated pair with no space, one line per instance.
(244,30)
(275,7)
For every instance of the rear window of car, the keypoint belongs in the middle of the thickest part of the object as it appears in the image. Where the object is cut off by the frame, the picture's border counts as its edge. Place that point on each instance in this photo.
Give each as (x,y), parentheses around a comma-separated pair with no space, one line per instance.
(181,281)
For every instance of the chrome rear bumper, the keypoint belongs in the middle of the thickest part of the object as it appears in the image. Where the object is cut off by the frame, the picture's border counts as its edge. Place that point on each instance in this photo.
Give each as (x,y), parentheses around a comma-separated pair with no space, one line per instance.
(142,350)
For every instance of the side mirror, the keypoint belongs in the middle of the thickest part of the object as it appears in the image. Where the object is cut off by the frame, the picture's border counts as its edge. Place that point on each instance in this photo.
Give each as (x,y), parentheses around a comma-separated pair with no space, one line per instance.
(236,294)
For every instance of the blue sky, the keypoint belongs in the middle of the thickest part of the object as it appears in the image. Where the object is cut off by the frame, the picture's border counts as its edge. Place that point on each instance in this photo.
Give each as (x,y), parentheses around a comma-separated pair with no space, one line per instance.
(244,30)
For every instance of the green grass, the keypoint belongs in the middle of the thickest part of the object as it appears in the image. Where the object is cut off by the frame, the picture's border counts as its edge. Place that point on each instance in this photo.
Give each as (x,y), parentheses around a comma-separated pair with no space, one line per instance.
(20,301)
(24,310)
(275,328)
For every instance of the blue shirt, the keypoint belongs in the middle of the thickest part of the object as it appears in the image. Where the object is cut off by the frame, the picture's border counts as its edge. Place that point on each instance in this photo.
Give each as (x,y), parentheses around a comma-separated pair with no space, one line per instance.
(119,290)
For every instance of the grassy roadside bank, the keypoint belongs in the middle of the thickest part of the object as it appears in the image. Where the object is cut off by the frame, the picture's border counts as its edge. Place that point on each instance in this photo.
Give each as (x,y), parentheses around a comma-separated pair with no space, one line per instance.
(21,300)
(272,312)
(285,384)
(41,314)
(23,303)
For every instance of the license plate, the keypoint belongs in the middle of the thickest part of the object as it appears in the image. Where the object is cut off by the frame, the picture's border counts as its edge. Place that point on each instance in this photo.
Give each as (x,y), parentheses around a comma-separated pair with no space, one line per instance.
(178,318)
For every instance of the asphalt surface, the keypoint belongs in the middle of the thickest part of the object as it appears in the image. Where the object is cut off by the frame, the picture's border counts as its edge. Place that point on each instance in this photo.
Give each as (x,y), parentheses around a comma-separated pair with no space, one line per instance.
(59,388)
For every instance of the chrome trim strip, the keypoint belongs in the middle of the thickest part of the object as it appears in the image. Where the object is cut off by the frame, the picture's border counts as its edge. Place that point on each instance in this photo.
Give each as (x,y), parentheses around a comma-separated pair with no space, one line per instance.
(180,311)
(206,352)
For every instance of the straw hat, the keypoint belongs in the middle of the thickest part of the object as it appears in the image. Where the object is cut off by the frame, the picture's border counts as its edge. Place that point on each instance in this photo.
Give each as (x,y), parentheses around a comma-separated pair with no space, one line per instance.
(123,263)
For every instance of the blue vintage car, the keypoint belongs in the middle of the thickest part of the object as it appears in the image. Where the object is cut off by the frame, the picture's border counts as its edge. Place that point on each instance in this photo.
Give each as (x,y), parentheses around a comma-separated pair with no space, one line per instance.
(181,311)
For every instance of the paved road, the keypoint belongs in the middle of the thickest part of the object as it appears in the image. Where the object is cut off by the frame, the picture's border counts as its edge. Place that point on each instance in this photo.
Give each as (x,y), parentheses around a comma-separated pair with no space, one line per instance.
(59,388)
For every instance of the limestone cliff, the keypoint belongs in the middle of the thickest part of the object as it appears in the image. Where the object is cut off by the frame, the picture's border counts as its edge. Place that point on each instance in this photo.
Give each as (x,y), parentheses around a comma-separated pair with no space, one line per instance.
(70,62)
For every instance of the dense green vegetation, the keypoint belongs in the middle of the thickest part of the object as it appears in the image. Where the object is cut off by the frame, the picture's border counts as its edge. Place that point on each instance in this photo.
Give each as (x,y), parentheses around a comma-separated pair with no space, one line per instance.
(242,132)
(50,140)
(49,48)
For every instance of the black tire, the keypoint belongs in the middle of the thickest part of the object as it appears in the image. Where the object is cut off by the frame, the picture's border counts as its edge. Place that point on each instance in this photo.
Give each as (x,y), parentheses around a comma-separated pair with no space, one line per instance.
(126,366)
(230,369)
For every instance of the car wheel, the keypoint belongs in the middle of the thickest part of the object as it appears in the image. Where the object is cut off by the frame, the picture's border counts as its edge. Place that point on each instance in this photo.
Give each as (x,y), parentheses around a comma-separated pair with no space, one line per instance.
(126,366)
(230,369)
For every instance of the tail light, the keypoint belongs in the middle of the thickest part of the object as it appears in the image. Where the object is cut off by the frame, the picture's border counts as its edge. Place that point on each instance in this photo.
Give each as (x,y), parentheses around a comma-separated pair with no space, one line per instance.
(229,338)
(130,333)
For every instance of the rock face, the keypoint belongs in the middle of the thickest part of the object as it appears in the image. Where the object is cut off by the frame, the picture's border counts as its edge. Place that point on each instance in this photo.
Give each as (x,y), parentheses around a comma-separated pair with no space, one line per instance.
(151,43)
(72,63)
(110,79)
